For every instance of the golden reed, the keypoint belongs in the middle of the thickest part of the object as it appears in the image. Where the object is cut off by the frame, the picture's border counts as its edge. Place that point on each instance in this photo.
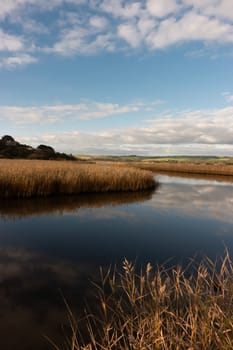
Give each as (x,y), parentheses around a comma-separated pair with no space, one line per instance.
(33,178)
(159,309)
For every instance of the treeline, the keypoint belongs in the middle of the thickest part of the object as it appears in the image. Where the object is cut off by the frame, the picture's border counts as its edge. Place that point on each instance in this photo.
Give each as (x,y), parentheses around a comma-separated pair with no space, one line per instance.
(11,149)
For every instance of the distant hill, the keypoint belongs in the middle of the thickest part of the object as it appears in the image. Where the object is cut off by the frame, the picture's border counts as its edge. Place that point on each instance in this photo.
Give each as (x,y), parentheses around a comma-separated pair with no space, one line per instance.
(9,148)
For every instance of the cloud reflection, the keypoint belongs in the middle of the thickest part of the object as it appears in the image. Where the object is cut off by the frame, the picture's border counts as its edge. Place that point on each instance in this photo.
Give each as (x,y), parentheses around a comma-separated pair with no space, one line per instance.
(31,304)
(207,197)
(195,195)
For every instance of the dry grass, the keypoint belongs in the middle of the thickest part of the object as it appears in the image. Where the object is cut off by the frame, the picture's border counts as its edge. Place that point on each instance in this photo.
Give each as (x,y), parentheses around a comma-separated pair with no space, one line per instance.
(159,309)
(28,178)
(218,168)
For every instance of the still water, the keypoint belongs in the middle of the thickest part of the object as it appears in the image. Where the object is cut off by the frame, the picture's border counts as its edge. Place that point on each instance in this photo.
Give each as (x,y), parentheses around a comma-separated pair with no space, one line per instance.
(55,246)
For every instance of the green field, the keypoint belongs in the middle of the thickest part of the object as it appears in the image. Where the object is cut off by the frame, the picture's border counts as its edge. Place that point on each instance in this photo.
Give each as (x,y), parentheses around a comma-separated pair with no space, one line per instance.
(135,158)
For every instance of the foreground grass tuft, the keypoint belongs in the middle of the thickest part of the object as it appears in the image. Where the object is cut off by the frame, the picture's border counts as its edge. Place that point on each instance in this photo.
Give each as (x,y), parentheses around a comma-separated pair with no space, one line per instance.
(28,178)
(159,309)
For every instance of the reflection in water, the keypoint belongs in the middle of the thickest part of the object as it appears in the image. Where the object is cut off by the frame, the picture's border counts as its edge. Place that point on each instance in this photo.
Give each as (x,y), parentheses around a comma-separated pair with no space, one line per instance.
(64,204)
(187,177)
(58,244)
(197,197)
(30,307)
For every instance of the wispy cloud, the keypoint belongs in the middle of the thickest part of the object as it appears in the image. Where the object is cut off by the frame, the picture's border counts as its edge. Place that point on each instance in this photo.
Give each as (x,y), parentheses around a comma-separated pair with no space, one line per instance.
(17,60)
(228,97)
(162,8)
(92,26)
(221,9)
(191,27)
(79,41)
(86,110)
(111,143)
(120,9)
(11,43)
(208,131)
(7,8)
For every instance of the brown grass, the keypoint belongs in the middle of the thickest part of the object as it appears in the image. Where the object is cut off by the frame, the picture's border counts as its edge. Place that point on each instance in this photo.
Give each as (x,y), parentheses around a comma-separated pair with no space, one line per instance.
(28,178)
(218,168)
(159,309)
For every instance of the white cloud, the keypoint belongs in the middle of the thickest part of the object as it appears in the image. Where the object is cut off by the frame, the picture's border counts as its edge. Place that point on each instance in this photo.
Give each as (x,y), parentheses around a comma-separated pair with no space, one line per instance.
(142,23)
(199,126)
(130,34)
(10,7)
(119,9)
(80,40)
(191,27)
(30,25)
(161,8)
(17,60)
(71,42)
(218,8)
(64,113)
(9,42)
(98,22)
(145,25)
(93,26)
(6,7)
(183,132)
(112,143)
(228,97)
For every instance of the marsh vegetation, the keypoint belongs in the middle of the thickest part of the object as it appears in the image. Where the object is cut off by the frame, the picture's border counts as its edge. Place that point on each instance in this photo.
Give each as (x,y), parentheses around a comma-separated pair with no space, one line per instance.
(159,308)
(33,178)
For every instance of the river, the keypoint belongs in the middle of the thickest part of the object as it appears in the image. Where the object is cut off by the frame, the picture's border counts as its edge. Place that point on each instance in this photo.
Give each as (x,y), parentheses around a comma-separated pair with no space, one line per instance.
(51,249)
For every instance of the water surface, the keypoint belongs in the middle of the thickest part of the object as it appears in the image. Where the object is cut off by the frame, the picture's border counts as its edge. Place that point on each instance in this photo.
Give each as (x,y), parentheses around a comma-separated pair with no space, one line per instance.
(55,246)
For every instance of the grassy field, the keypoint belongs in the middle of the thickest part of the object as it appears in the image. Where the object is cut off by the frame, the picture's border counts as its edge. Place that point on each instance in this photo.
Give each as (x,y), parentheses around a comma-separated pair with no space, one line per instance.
(214,168)
(174,159)
(28,178)
(180,164)
(159,309)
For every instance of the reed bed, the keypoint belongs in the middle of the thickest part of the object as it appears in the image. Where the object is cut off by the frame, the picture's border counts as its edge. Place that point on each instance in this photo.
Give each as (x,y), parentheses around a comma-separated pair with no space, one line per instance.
(218,168)
(28,178)
(159,309)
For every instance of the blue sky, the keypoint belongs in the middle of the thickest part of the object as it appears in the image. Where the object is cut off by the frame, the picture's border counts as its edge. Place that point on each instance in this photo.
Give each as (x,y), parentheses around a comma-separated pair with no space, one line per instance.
(149,77)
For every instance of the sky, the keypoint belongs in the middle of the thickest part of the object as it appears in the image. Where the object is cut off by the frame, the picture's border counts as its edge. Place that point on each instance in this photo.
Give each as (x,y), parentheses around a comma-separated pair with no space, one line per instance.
(119,77)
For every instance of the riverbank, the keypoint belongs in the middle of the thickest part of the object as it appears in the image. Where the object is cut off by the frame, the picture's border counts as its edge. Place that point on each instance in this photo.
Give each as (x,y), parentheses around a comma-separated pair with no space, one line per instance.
(215,168)
(206,165)
(35,178)
(208,169)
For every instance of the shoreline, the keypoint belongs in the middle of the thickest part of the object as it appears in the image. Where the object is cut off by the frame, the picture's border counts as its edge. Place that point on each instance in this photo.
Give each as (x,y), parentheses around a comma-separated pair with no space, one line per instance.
(184,167)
